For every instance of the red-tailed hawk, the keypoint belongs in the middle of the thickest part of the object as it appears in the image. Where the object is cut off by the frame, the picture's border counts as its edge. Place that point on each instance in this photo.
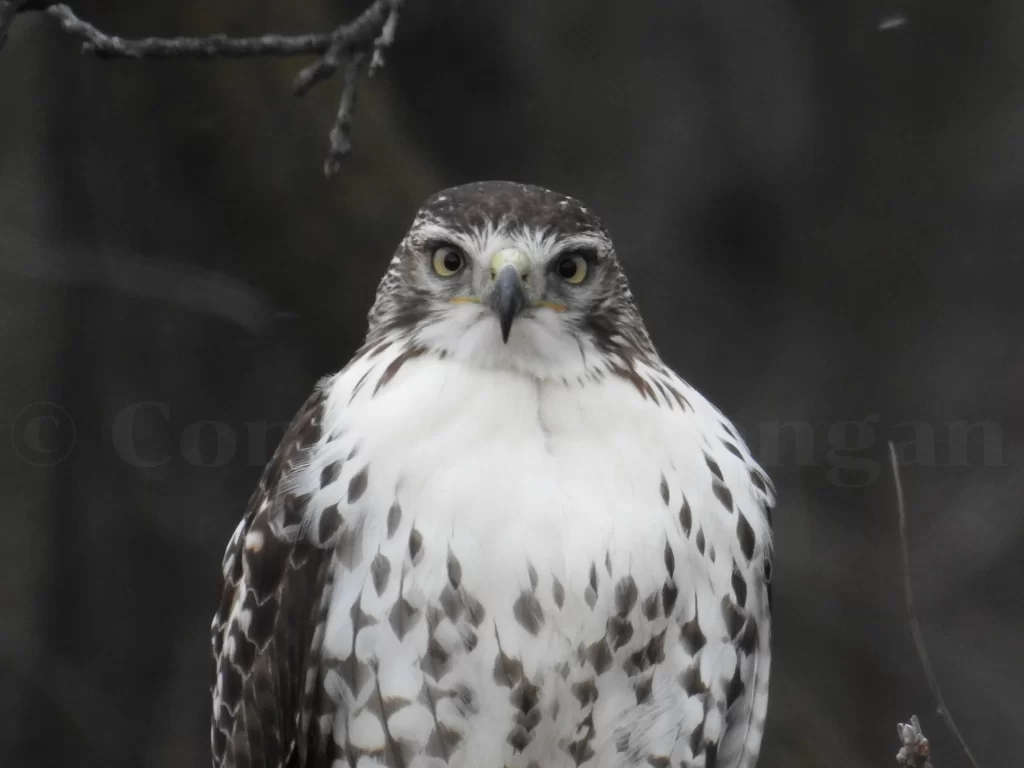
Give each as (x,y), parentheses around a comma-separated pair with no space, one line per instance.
(506,534)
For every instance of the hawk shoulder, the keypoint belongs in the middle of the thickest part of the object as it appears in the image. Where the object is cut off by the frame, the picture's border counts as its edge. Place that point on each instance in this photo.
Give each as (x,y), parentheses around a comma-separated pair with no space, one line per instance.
(268,626)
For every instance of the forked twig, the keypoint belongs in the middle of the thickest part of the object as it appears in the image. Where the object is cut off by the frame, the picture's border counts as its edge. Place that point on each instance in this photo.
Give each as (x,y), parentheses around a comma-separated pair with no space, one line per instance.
(368,35)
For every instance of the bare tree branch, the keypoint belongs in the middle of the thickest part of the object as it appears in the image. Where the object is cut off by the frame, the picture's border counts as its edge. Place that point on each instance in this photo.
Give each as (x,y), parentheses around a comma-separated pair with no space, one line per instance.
(917,748)
(211,47)
(386,38)
(368,34)
(368,28)
(341,141)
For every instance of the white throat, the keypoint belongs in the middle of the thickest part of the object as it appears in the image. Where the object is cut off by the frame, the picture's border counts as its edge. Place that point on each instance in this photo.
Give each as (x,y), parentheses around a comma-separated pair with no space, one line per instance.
(539,345)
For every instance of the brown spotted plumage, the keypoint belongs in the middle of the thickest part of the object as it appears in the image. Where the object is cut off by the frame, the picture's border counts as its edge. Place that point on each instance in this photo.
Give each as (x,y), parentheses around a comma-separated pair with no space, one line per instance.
(267,632)
(507,533)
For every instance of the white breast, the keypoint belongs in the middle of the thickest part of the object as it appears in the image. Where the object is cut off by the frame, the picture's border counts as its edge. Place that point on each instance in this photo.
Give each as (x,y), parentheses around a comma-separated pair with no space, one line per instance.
(507,553)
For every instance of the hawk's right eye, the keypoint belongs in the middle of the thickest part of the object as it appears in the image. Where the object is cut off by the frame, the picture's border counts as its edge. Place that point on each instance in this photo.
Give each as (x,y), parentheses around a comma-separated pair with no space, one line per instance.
(448,260)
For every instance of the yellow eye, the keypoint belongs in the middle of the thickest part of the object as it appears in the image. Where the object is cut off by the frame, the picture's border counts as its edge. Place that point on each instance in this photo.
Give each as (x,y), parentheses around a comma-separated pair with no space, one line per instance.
(572,268)
(448,261)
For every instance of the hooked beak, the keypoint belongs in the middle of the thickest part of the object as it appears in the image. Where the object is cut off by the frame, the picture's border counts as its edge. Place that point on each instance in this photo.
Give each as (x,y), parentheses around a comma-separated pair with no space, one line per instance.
(508,296)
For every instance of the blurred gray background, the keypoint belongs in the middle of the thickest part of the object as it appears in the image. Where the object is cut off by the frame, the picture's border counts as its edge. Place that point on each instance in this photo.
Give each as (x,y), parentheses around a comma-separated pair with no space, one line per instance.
(818,205)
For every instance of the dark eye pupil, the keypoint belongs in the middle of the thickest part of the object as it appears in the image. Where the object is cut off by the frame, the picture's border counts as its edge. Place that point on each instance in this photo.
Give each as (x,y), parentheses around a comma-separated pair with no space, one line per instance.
(452,261)
(567,268)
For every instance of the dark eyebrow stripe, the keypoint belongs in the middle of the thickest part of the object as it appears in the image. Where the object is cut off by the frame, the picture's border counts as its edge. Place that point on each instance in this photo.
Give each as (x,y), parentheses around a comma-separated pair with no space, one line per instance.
(431,244)
(589,253)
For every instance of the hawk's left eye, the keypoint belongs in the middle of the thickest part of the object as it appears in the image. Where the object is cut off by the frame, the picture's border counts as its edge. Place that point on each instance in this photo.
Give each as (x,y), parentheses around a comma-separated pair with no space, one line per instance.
(448,260)
(572,268)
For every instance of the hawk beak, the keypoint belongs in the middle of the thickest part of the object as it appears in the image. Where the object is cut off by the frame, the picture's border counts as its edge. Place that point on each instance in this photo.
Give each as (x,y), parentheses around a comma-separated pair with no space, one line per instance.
(508,296)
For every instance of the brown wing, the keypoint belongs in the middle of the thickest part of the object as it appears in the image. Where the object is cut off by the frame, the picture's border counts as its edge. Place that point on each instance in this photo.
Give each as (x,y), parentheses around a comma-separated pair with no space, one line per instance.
(275,595)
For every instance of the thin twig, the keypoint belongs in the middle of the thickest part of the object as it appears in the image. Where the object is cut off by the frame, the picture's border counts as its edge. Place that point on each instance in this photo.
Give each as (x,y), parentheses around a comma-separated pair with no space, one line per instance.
(341,132)
(915,625)
(360,33)
(370,32)
(386,38)
(210,47)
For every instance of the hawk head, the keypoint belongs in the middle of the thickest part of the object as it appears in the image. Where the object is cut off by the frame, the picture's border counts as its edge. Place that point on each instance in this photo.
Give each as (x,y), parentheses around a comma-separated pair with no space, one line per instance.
(508,275)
